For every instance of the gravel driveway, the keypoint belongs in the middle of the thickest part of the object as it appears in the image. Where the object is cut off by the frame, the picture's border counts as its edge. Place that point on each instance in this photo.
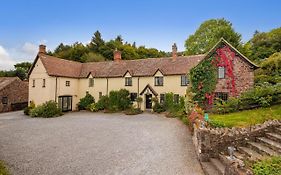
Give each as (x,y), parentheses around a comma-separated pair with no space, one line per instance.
(96,143)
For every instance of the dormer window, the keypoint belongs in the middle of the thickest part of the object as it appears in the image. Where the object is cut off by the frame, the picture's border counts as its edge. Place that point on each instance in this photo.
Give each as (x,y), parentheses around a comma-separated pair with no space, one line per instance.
(158,81)
(128,81)
(221,72)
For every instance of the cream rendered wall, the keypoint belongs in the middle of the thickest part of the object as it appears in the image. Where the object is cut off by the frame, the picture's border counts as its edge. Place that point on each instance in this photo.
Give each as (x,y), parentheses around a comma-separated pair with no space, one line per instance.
(40,94)
(72,90)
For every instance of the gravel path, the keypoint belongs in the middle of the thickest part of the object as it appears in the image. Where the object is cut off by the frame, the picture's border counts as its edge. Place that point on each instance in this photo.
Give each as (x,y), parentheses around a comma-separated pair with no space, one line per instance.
(96,143)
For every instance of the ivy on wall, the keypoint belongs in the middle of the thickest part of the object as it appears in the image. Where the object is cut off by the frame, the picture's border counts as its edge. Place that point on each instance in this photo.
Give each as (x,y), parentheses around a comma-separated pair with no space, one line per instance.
(203,77)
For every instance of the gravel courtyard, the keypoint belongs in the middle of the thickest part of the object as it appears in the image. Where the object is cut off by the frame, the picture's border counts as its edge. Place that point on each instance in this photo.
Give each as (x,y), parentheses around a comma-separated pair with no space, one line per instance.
(96,143)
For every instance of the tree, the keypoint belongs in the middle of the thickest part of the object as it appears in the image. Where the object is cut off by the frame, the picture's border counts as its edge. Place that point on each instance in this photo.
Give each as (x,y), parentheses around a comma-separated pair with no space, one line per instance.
(209,33)
(96,42)
(264,44)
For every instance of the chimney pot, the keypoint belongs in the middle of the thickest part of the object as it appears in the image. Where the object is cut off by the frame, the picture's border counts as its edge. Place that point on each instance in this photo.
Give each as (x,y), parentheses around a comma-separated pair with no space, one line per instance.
(174,51)
(117,55)
(42,48)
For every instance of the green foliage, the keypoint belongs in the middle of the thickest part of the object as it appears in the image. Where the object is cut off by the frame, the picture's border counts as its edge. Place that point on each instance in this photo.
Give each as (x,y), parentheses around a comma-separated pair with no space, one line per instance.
(93,107)
(209,33)
(261,96)
(139,100)
(103,103)
(216,124)
(271,166)
(158,107)
(27,109)
(46,110)
(270,70)
(21,71)
(86,101)
(100,50)
(264,44)
(189,102)
(133,111)
(203,79)
(119,100)
(3,169)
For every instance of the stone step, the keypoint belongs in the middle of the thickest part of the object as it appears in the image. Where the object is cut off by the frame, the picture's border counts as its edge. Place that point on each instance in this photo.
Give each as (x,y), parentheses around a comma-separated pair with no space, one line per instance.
(272,144)
(218,165)
(250,153)
(274,136)
(239,155)
(209,168)
(278,130)
(262,149)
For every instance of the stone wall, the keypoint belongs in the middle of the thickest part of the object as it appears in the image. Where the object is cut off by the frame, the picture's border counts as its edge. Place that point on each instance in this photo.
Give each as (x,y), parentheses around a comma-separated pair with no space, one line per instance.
(16,92)
(244,77)
(209,142)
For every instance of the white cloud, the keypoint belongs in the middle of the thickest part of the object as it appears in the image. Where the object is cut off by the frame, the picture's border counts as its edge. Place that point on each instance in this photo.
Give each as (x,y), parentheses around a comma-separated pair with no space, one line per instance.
(6,62)
(29,48)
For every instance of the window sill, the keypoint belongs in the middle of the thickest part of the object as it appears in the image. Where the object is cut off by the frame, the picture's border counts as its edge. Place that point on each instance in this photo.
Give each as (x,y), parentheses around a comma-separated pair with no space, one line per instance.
(158,85)
(128,85)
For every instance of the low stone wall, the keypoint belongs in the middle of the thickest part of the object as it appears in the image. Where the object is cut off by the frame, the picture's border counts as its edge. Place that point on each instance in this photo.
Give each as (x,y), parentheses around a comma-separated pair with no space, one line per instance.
(209,142)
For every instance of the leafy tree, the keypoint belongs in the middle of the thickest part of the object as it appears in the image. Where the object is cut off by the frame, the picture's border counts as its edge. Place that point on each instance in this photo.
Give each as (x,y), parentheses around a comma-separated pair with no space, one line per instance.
(264,44)
(96,42)
(21,71)
(209,33)
(92,57)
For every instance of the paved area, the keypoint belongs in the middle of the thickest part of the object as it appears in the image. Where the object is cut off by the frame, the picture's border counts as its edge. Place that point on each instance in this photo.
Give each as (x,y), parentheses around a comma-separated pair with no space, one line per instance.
(96,143)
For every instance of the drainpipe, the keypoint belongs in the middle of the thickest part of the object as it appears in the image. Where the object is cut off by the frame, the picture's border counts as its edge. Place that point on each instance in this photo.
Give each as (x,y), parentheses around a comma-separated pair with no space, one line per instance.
(106,86)
(138,86)
(56,89)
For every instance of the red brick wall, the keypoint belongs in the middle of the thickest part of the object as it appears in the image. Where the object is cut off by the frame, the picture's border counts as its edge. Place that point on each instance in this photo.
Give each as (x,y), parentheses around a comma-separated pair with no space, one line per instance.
(244,77)
(17,92)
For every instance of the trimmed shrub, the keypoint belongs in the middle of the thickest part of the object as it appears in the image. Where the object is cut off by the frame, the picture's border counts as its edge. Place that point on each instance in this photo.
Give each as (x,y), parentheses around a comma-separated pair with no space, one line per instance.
(86,101)
(271,166)
(119,100)
(102,103)
(46,110)
(27,109)
(157,107)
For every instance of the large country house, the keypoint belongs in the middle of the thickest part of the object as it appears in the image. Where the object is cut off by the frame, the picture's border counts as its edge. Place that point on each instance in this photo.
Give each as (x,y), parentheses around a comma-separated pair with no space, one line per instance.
(66,82)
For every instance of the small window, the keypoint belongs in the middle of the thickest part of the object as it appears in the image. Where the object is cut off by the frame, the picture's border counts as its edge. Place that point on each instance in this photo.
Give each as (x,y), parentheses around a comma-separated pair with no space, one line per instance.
(158,81)
(128,81)
(4,100)
(162,98)
(184,80)
(176,98)
(91,82)
(67,83)
(33,83)
(100,95)
(44,83)
(133,96)
(222,95)
(221,72)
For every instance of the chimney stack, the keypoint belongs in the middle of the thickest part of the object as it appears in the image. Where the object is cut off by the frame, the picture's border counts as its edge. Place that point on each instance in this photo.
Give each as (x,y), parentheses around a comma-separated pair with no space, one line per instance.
(42,49)
(117,55)
(174,51)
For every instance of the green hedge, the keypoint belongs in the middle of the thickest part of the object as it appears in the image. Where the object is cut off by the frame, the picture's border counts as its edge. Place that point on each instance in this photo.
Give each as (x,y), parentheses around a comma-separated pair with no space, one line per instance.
(86,101)
(46,110)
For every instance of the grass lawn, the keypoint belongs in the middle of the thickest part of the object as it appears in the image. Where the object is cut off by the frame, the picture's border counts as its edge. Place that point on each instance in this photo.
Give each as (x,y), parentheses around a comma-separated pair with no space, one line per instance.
(247,117)
(3,169)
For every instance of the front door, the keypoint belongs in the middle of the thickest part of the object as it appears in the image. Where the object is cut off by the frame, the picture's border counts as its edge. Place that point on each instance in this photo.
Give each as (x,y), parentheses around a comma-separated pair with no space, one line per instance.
(65,103)
(148,101)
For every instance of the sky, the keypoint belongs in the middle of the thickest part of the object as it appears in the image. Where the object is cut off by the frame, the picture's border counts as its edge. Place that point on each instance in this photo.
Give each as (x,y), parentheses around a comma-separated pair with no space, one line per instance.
(153,23)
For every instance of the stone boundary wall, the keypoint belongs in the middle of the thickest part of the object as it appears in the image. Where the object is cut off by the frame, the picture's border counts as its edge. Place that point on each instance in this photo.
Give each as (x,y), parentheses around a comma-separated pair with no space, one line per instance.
(209,142)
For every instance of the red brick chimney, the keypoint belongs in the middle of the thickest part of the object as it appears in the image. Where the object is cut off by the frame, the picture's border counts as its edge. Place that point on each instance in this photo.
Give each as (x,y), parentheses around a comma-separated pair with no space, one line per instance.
(42,48)
(174,51)
(117,55)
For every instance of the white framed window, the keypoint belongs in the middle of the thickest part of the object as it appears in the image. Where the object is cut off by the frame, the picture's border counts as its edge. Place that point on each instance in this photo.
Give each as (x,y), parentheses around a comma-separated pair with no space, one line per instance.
(128,81)
(184,80)
(91,82)
(158,81)
(221,72)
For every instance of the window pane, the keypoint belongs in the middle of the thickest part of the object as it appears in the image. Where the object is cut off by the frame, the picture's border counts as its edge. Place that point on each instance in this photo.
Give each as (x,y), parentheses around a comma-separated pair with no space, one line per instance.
(162,98)
(221,72)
